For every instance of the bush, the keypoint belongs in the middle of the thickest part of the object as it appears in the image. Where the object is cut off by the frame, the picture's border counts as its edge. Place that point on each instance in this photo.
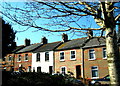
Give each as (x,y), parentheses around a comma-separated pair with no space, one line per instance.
(36,79)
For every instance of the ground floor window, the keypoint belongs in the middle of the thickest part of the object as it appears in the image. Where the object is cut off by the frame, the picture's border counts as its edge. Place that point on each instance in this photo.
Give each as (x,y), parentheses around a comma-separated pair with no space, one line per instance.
(63,70)
(94,71)
(29,68)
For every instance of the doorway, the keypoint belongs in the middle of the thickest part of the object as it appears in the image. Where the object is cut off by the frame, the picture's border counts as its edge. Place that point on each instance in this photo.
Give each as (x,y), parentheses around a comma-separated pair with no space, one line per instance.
(38,69)
(50,69)
(78,71)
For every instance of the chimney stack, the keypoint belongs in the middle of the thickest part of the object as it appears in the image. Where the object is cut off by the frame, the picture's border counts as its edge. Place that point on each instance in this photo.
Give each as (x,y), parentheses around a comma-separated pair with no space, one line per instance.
(64,37)
(44,40)
(90,34)
(27,42)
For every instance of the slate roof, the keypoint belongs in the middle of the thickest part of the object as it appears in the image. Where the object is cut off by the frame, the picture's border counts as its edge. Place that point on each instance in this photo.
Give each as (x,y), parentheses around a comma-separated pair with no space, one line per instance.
(95,42)
(75,43)
(48,47)
(29,48)
(18,48)
(81,42)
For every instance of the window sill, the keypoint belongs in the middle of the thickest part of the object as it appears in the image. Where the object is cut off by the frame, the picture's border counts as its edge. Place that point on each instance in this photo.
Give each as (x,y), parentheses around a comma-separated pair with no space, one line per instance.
(91,59)
(62,60)
(95,77)
(18,61)
(73,59)
(25,60)
(105,58)
(47,61)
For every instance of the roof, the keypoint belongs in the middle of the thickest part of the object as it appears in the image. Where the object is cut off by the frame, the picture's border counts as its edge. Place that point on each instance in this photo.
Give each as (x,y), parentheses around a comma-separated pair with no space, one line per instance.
(95,42)
(81,42)
(29,48)
(48,47)
(17,48)
(75,43)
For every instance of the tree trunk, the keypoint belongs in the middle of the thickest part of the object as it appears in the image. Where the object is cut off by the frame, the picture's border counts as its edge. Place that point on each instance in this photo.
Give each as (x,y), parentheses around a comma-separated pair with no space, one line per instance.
(113,56)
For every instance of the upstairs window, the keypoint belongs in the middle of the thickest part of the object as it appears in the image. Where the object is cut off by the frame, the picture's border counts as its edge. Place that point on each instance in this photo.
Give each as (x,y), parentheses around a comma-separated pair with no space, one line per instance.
(104,53)
(26,57)
(62,56)
(10,58)
(92,54)
(37,57)
(19,58)
(4,58)
(94,71)
(73,57)
(46,56)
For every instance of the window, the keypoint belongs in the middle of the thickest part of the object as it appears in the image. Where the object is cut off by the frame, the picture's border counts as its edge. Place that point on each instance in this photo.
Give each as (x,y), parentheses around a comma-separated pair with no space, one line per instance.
(26,57)
(38,57)
(46,56)
(104,53)
(72,55)
(94,71)
(19,58)
(38,69)
(29,68)
(10,58)
(63,70)
(4,58)
(62,56)
(91,54)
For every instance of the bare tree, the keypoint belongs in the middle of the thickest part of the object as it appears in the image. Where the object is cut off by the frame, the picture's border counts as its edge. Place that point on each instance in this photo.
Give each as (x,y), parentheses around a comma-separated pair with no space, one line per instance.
(62,15)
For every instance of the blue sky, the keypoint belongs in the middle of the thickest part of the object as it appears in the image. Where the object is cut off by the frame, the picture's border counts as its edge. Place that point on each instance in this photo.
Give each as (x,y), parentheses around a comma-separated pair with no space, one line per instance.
(35,36)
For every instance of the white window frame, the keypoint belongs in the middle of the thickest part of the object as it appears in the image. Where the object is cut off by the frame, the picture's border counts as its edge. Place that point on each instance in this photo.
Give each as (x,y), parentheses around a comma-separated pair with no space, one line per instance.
(25,57)
(10,58)
(47,57)
(71,55)
(18,58)
(95,70)
(64,71)
(104,50)
(93,52)
(60,56)
(37,57)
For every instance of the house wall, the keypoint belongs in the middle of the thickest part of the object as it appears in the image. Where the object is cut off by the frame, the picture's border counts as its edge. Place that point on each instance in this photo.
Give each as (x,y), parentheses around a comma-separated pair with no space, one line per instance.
(99,61)
(7,64)
(42,63)
(69,64)
(25,64)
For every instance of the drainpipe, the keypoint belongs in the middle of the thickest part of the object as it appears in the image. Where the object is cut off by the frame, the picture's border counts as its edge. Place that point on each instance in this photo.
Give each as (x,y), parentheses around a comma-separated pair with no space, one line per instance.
(83,67)
(53,62)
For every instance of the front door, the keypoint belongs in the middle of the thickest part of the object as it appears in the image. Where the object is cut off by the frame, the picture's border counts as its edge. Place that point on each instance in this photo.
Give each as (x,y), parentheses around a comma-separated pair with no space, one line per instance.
(78,71)
(38,69)
(50,69)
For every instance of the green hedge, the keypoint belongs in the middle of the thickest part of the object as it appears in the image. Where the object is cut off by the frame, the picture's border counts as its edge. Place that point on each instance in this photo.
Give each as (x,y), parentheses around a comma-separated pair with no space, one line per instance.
(35,79)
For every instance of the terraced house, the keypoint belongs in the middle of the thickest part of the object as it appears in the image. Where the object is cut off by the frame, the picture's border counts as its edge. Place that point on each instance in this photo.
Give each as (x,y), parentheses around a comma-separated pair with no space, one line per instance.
(43,58)
(8,60)
(83,58)
(23,57)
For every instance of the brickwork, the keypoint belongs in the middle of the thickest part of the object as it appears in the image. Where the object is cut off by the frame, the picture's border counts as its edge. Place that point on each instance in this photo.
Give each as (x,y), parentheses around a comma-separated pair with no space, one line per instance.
(8,63)
(99,62)
(24,63)
(69,64)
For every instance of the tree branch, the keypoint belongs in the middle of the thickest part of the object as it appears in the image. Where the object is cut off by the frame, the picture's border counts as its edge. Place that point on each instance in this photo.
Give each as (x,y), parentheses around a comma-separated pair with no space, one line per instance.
(117,17)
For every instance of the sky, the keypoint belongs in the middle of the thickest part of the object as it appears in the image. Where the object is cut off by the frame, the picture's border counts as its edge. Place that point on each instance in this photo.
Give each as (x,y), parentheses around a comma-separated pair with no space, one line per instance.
(35,36)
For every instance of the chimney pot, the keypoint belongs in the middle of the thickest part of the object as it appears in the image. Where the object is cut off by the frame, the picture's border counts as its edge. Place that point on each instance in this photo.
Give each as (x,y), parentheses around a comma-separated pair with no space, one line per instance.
(64,37)
(44,40)
(27,42)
